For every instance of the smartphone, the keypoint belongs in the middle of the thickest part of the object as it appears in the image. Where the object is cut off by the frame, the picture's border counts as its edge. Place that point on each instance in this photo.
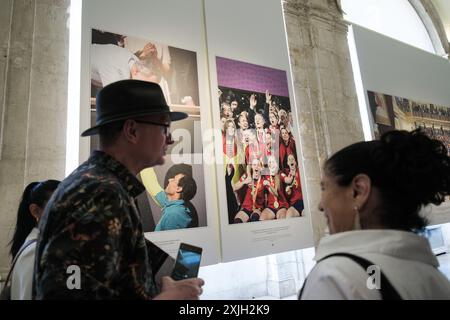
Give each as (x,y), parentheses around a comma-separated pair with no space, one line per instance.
(187,263)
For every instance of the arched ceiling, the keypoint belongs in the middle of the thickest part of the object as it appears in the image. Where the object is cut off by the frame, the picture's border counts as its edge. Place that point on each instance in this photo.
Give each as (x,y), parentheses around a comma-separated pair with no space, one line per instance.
(443,9)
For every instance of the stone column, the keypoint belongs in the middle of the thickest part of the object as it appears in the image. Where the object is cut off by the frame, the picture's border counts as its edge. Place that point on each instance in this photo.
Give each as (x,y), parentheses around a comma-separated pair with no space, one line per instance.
(33,83)
(324,90)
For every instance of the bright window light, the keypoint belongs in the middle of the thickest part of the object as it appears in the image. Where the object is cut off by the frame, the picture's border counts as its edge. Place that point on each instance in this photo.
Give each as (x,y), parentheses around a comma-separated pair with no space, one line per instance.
(396,19)
(73,90)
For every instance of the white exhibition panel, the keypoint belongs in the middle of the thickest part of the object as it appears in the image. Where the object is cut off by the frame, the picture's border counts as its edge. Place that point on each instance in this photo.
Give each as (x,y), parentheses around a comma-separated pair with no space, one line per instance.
(391,67)
(252,31)
(177,23)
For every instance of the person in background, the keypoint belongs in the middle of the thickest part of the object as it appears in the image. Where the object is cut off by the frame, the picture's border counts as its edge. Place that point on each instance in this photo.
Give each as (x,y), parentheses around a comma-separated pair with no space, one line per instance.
(372,194)
(23,244)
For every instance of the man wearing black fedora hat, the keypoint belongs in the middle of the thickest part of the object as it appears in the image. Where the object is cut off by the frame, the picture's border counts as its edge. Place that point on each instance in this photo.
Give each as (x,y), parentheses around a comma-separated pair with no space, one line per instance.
(92,244)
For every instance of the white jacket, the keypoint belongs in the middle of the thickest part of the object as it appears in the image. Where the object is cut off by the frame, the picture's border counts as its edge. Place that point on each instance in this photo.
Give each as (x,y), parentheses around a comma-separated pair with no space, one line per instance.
(22,277)
(405,259)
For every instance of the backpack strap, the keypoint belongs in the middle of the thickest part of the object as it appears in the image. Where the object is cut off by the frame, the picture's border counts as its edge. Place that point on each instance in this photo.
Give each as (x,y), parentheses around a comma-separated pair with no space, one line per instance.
(386,290)
(22,249)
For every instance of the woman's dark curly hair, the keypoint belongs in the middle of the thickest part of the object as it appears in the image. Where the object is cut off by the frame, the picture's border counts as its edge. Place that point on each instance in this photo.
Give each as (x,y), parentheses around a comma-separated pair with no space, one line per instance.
(409,169)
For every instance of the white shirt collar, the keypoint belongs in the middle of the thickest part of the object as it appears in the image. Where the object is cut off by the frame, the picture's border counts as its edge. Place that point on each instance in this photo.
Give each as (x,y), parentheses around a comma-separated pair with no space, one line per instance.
(400,244)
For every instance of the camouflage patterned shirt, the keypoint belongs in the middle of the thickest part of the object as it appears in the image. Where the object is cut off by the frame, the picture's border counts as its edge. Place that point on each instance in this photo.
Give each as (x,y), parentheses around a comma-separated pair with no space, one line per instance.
(92,223)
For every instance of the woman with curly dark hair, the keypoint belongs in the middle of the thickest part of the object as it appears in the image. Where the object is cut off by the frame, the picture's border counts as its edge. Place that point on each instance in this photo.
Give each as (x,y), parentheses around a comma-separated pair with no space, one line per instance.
(372,195)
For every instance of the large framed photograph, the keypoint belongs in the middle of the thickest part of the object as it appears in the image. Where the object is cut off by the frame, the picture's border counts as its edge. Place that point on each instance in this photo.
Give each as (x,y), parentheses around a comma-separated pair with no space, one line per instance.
(259,150)
(179,199)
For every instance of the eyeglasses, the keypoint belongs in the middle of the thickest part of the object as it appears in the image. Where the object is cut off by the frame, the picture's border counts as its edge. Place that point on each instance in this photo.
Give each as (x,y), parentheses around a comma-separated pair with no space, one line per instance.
(165,125)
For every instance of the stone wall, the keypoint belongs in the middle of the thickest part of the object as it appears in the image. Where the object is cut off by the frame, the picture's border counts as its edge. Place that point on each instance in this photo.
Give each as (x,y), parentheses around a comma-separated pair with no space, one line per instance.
(34,49)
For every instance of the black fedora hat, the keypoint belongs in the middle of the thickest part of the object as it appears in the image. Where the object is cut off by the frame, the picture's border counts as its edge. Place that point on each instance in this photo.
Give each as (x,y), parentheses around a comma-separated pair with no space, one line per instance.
(127,99)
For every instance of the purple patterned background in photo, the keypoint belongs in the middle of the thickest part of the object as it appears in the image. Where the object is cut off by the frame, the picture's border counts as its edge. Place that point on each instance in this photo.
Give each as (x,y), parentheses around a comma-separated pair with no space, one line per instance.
(251,77)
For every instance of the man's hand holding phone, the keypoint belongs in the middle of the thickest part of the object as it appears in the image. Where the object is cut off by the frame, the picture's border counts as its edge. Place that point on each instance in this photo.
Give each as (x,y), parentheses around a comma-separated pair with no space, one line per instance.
(188,289)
